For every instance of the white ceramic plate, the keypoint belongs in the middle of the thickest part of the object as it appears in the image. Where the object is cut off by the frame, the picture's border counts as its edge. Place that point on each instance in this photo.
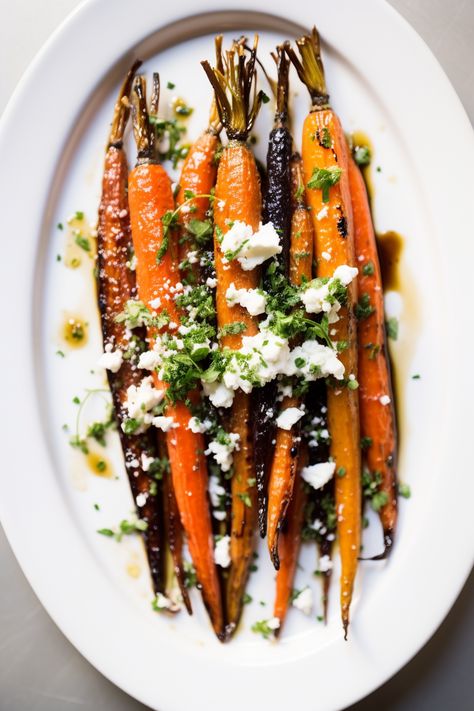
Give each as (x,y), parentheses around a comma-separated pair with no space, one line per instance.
(382,80)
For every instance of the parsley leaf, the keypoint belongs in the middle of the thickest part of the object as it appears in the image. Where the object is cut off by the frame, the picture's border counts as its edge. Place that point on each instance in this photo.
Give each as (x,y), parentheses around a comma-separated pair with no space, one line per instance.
(323,179)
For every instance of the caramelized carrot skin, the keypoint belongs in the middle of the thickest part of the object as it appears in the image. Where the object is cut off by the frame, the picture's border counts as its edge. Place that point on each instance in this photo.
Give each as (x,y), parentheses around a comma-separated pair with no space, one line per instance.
(285,459)
(116,285)
(238,197)
(198,175)
(377,421)
(334,235)
(281,481)
(288,549)
(150,197)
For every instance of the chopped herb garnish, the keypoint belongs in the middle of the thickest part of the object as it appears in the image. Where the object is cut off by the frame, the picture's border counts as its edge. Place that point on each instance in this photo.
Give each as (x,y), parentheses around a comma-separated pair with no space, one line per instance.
(363,308)
(97,507)
(232,329)
(170,85)
(368,269)
(265,98)
(392,328)
(365,442)
(417,376)
(362,155)
(352,384)
(404,490)
(60,226)
(247,599)
(60,354)
(82,242)
(125,528)
(323,179)
(325,138)
(190,577)
(262,627)
(341,472)
(245,497)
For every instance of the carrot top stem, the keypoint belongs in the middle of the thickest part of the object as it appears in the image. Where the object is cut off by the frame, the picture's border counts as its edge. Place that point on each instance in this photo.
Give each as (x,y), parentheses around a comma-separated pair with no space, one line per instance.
(122,108)
(310,67)
(144,134)
(155,94)
(283,70)
(234,82)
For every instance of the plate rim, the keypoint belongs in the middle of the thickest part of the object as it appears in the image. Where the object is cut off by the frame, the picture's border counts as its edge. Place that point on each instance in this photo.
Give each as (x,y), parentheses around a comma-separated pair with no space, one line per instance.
(94,11)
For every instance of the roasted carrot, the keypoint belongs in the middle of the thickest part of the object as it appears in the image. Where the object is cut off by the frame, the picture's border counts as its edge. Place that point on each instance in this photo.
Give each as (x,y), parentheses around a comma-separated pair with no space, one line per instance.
(151,198)
(198,177)
(326,174)
(285,459)
(237,197)
(116,285)
(377,414)
(289,546)
(277,210)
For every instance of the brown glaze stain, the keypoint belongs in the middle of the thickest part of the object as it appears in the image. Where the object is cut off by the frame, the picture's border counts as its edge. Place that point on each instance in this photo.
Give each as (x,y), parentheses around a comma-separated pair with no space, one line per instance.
(99,465)
(390,248)
(75,331)
(181,109)
(81,243)
(359,139)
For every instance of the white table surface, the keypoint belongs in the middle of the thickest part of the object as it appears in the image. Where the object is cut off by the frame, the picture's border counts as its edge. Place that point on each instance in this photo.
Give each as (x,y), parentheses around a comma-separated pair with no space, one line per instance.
(39,669)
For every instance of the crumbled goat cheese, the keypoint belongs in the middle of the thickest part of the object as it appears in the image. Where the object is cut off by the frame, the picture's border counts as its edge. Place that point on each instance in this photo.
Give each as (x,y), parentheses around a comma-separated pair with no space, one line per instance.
(141,498)
(222,453)
(317,299)
(317,475)
(318,362)
(193,257)
(251,299)
(289,417)
(216,490)
(110,359)
(322,213)
(167,603)
(149,360)
(251,248)
(155,303)
(384,400)
(146,462)
(325,564)
(304,601)
(140,400)
(211,282)
(273,623)
(222,552)
(199,426)
(219,394)
(164,423)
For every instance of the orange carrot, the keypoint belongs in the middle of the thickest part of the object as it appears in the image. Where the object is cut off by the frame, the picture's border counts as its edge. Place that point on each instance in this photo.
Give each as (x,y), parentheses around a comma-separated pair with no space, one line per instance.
(326,167)
(289,547)
(150,199)
(285,460)
(237,197)
(377,415)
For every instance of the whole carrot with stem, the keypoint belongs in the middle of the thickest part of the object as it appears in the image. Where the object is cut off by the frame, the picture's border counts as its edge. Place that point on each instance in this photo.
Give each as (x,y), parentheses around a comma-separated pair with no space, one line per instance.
(151,199)
(285,464)
(116,286)
(377,413)
(237,198)
(326,173)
